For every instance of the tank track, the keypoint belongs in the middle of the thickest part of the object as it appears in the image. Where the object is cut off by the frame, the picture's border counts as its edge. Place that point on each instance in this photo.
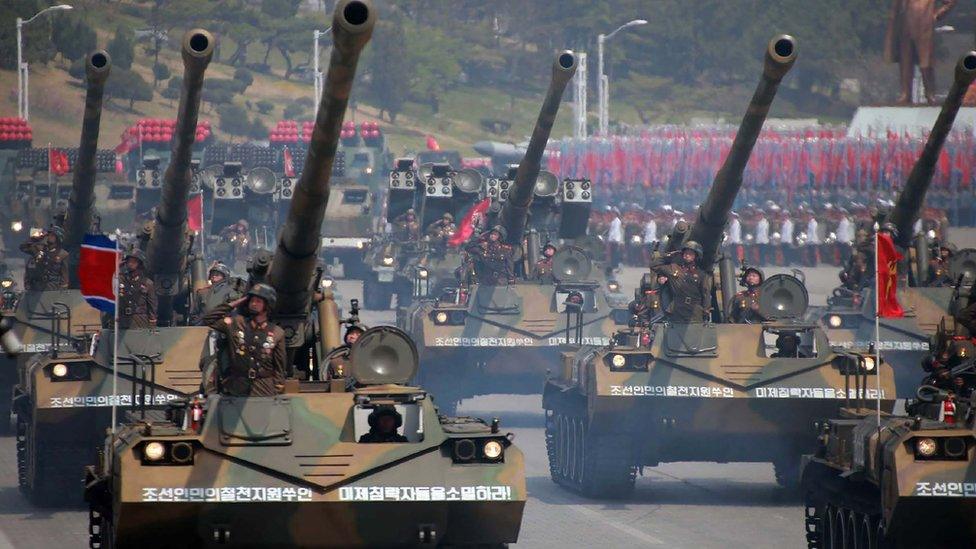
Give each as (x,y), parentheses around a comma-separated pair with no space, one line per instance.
(597,466)
(55,478)
(835,517)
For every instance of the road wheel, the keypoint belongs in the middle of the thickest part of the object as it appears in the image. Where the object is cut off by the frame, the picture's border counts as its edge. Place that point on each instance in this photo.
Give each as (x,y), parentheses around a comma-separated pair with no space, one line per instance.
(831,531)
(52,469)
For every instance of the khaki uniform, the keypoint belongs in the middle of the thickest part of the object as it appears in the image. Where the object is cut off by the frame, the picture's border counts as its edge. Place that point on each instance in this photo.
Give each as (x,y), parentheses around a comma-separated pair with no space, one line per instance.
(647,309)
(543,268)
(255,353)
(339,363)
(440,230)
(404,229)
(691,291)
(492,262)
(137,300)
(47,268)
(745,306)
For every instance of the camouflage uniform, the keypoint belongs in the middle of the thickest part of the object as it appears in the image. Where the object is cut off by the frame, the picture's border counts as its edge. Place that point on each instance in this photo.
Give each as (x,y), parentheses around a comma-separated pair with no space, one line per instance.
(137,300)
(691,290)
(47,268)
(256,353)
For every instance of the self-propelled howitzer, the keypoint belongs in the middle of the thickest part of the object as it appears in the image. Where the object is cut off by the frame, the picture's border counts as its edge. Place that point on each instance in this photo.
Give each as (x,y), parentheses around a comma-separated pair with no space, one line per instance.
(516,209)
(713,214)
(82,200)
(166,253)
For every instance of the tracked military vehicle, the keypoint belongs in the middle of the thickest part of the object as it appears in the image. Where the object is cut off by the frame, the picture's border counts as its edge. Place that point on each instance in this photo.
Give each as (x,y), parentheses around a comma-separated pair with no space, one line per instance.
(882,480)
(703,391)
(62,317)
(63,400)
(216,469)
(849,315)
(501,336)
(351,225)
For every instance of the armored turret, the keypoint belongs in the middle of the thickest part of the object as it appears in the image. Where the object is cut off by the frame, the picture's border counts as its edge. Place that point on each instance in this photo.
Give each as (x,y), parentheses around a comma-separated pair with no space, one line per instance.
(515,211)
(167,249)
(82,199)
(912,196)
(713,214)
(295,258)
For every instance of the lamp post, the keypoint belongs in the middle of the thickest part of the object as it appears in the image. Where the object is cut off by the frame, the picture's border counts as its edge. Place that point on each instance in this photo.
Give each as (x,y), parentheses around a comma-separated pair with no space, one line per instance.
(603,85)
(23,109)
(316,73)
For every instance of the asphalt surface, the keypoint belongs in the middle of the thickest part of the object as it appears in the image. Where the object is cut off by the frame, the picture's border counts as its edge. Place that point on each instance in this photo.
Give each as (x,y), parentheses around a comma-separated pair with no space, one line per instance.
(699,505)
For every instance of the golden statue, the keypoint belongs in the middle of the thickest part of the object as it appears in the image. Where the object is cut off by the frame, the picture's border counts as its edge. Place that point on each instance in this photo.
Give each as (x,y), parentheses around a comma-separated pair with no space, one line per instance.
(909,40)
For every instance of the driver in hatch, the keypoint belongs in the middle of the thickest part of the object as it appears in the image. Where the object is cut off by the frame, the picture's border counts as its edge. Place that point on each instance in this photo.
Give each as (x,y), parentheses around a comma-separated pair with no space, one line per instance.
(383,424)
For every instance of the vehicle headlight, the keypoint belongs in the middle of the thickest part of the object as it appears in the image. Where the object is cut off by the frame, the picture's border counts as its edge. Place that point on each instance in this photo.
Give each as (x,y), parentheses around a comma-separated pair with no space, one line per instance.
(492,449)
(954,447)
(360,245)
(441,317)
(926,447)
(6,283)
(327,282)
(368,170)
(422,273)
(636,239)
(17,226)
(388,261)
(154,451)
(59,370)
(930,234)
(835,321)
(961,352)
(869,363)
(613,286)
(619,361)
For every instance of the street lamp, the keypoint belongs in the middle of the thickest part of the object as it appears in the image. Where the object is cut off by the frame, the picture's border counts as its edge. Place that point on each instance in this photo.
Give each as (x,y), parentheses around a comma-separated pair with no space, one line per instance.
(316,73)
(603,85)
(23,110)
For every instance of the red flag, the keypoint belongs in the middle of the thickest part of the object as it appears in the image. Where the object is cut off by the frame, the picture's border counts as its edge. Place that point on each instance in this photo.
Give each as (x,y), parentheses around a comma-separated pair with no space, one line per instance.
(466,228)
(57,162)
(194,212)
(887,277)
(289,165)
(432,144)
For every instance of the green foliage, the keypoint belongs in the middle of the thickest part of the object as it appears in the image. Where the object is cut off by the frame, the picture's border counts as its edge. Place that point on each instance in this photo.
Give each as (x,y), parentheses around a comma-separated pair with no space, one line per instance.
(265,107)
(122,48)
(234,120)
(296,111)
(217,96)
(77,69)
(244,77)
(390,69)
(161,72)
(128,85)
(73,38)
(37,43)
(170,93)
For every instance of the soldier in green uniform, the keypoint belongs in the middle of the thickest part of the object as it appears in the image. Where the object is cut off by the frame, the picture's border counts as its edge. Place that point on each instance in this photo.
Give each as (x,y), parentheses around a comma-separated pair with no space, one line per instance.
(339,357)
(492,258)
(137,293)
(441,230)
(745,304)
(690,287)
(47,267)
(255,346)
(406,227)
(648,304)
(543,267)
(939,274)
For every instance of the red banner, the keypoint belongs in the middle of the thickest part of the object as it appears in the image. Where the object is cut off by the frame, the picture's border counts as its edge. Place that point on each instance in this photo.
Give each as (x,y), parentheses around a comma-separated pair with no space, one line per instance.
(194,212)
(466,228)
(432,144)
(289,164)
(57,162)
(887,279)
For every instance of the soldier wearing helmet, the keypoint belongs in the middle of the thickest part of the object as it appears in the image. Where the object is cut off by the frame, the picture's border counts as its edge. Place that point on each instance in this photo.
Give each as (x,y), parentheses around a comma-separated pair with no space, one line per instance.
(745,304)
(543,267)
(441,230)
(406,227)
(492,258)
(47,267)
(690,289)
(649,301)
(338,358)
(383,424)
(939,274)
(220,290)
(237,242)
(137,293)
(255,346)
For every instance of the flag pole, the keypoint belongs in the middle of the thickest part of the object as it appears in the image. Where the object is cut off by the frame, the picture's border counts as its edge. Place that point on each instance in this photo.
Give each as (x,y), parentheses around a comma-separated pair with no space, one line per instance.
(877,320)
(115,338)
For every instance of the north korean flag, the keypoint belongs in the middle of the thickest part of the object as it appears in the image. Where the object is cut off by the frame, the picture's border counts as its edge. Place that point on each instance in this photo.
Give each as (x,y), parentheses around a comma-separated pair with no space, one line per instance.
(97,270)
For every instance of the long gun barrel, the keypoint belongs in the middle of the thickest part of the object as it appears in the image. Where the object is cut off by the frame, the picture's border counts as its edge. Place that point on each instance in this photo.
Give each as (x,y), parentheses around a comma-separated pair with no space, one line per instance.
(98,65)
(714,211)
(167,248)
(912,196)
(295,257)
(516,209)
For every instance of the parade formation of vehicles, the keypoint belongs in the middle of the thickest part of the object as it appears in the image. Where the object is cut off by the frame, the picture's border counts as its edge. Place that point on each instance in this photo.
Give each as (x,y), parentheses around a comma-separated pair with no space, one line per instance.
(497,290)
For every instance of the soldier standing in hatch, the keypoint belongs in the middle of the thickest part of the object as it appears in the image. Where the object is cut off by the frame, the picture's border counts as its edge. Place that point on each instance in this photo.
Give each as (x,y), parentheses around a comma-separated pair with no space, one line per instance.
(406,227)
(492,258)
(339,357)
(690,287)
(137,293)
(219,291)
(441,230)
(745,304)
(648,305)
(939,274)
(543,267)
(47,268)
(255,346)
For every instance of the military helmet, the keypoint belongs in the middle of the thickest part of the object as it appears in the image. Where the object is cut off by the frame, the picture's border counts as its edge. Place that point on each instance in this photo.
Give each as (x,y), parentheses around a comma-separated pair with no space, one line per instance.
(549,246)
(693,246)
(746,269)
(411,211)
(265,292)
(219,267)
(136,253)
(381,411)
(890,227)
(353,328)
(447,216)
(502,233)
(58,232)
